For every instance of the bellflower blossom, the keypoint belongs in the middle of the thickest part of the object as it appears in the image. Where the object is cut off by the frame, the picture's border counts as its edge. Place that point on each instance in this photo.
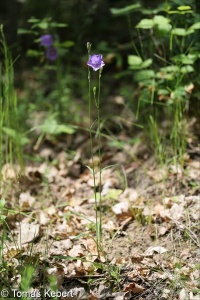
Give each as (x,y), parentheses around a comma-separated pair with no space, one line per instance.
(51,53)
(46,40)
(95,61)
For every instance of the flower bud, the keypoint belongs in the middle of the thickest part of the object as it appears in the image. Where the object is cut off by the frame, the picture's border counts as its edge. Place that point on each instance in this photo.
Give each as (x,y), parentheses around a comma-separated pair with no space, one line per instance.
(89,47)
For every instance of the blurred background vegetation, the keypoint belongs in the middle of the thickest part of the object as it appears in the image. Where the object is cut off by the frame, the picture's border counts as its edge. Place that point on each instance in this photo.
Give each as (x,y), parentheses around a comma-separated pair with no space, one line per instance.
(151,77)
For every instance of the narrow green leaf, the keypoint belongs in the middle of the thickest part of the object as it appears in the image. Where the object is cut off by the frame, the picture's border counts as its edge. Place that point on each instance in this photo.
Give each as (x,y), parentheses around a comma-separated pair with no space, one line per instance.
(62,25)
(107,167)
(25,31)
(124,10)
(90,169)
(195,26)
(147,63)
(34,53)
(42,25)
(67,44)
(33,20)
(184,7)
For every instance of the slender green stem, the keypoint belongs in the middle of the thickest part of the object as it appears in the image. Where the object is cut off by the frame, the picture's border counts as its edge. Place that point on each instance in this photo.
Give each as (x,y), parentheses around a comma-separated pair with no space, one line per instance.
(92,156)
(131,34)
(99,153)
(60,89)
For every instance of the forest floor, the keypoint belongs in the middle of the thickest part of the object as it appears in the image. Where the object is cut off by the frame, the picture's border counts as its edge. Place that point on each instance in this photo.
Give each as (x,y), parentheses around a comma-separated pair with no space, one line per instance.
(149,215)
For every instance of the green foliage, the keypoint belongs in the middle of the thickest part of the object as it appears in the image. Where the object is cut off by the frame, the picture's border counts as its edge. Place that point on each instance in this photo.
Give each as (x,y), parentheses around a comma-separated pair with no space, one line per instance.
(51,126)
(27,277)
(42,26)
(10,137)
(136,62)
(2,216)
(162,57)
(159,23)
(164,67)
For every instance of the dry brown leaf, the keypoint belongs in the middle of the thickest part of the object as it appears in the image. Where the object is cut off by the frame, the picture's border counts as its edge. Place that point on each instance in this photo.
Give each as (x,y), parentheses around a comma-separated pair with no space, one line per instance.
(121,208)
(195,210)
(43,218)
(117,99)
(176,211)
(130,194)
(195,275)
(155,249)
(28,233)
(62,231)
(33,174)
(78,294)
(74,169)
(66,244)
(58,273)
(90,245)
(68,192)
(197,297)
(109,226)
(185,254)
(49,171)
(158,175)
(51,210)
(62,245)
(77,251)
(147,211)
(144,272)
(119,296)
(102,291)
(148,262)
(193,173)
(134,288)
(158,209)
(26,201)
(162,230)
(10,171)
(92,296)
(13,253)
(165,294)
(176,169)
(88,266)
(47,153)
(136,258)
(183,294)
(185,271)
(189,88)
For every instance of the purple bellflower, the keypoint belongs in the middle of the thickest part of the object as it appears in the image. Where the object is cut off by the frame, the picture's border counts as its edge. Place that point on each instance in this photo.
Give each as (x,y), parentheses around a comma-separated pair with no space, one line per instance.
(95,61)
(46,40)
(51,53)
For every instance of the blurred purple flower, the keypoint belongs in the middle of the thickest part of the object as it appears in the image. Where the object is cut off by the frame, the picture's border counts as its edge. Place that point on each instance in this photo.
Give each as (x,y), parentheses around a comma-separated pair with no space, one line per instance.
(95,61)
(46,40)
(51,53)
